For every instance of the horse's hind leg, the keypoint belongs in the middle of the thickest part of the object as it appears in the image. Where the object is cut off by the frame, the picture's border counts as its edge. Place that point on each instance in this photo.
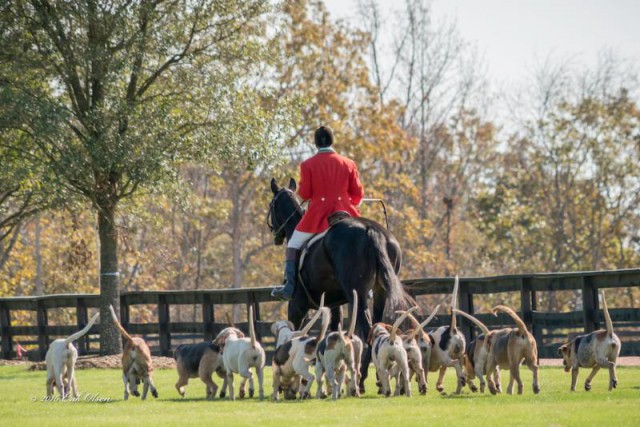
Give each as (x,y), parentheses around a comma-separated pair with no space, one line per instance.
(336,318)
(362,322)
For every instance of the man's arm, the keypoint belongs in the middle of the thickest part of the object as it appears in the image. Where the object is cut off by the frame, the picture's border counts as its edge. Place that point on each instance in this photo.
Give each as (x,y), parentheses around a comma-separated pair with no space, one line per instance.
(304,189)
(356,191)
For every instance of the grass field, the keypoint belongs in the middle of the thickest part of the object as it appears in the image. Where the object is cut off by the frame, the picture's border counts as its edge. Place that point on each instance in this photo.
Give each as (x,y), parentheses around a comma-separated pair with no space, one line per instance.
(21,392)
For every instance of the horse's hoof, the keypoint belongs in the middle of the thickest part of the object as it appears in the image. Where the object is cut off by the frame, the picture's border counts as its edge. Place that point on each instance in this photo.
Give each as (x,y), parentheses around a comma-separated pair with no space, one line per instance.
(587,386)
(154,393)
(440,388)
(536,389)
(136,393)
(222,394)
(241,394)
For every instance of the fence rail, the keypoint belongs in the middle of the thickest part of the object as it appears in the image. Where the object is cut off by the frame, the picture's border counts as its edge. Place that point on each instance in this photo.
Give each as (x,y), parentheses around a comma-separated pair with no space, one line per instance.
(544,325)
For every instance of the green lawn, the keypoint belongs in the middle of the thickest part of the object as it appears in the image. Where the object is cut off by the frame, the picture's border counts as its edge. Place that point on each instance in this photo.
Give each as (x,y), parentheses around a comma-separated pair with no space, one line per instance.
(20,391)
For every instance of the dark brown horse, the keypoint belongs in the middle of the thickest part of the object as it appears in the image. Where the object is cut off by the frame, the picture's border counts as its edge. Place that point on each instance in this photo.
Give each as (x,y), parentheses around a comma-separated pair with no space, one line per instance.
(355,254)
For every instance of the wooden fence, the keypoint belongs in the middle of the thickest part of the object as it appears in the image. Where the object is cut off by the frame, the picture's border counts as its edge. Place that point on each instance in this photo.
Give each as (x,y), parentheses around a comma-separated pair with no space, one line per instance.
(548,328)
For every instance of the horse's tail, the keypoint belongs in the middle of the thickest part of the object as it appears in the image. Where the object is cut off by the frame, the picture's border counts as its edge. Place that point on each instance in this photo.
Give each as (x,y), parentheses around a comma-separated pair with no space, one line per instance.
(386,275)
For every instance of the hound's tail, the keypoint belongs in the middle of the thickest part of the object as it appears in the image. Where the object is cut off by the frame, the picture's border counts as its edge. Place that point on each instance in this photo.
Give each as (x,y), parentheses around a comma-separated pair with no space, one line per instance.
(420,326)
(386,275)
(478,323)
(326,319)
(229,319)
(72,338)
(119,326)
(522,328)
(314,319)
(354,314)
(252,330)
(454,304)
(396,324)
(607,318)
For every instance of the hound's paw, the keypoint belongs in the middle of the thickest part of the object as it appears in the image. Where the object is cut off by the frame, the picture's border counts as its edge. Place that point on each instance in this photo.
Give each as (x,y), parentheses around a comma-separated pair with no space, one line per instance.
(463,381)
(241,394)
(536,389)
(493,390)
(440,388)
(614,383)
(136,393)
(154,393)
(587,386)
(305,395)
(222,394)
(474,388)
(387,394)
(362,388)
(422,389)
(251,392)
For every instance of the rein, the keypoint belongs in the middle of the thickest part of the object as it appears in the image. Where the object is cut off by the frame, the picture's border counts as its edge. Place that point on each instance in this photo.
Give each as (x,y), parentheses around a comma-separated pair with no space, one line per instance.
(298,210)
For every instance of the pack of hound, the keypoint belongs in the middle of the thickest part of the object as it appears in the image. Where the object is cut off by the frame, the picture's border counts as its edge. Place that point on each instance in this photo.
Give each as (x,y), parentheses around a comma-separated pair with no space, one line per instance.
(335,357)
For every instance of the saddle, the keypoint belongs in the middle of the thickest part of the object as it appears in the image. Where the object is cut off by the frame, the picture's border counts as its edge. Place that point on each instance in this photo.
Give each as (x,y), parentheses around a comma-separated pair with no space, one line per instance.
(332,219)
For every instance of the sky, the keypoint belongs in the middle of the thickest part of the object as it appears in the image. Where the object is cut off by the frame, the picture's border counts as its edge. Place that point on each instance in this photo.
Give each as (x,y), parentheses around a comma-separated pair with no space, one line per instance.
(515,35)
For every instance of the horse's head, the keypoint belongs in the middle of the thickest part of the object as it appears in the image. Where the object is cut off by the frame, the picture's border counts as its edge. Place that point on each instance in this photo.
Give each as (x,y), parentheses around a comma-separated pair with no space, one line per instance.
(284,211)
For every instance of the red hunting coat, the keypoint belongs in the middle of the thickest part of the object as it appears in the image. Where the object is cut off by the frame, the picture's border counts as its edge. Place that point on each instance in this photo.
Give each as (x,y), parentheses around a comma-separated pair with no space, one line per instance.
(331,183)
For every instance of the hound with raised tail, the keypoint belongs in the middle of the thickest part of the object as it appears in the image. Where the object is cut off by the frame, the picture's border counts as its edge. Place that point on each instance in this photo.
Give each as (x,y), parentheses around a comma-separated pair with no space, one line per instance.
(477,353)
(61,363)
(285,331)
(136,363)
(239,354)
(291,361)
(448,348)
(414,348)
(336,354)
(509,350)
(599,349)
(387,350)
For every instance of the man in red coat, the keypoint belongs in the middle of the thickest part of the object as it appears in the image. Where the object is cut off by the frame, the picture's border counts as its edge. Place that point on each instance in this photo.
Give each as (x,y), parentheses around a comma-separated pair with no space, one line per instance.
(331,183)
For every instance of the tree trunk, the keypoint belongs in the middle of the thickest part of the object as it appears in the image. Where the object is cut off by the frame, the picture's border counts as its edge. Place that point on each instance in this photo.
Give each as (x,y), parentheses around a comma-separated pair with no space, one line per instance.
(110,342)
(38,256)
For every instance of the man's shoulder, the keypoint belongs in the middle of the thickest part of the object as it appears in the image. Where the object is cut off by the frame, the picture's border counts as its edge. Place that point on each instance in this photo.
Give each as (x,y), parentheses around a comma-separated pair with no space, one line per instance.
(328,157)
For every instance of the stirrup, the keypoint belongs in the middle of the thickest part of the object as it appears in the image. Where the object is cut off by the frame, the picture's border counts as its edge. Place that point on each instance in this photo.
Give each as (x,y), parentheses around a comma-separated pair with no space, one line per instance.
(282,293)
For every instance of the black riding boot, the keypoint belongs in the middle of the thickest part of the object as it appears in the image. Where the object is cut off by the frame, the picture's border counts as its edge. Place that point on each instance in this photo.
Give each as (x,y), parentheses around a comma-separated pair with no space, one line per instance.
(291,274)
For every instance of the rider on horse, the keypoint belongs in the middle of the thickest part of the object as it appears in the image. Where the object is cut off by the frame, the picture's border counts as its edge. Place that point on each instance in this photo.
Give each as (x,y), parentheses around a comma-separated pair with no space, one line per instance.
(331,183)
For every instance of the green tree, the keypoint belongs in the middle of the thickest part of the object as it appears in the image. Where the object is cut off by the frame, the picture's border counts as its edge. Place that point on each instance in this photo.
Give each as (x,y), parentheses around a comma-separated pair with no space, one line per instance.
(126,87)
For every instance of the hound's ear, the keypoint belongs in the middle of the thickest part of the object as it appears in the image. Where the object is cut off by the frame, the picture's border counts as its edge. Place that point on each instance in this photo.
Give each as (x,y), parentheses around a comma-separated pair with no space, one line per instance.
(292,185)
(274,186)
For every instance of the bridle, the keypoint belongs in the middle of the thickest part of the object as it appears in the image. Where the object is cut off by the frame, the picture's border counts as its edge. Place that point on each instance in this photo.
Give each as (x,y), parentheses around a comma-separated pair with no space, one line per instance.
(275,232)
